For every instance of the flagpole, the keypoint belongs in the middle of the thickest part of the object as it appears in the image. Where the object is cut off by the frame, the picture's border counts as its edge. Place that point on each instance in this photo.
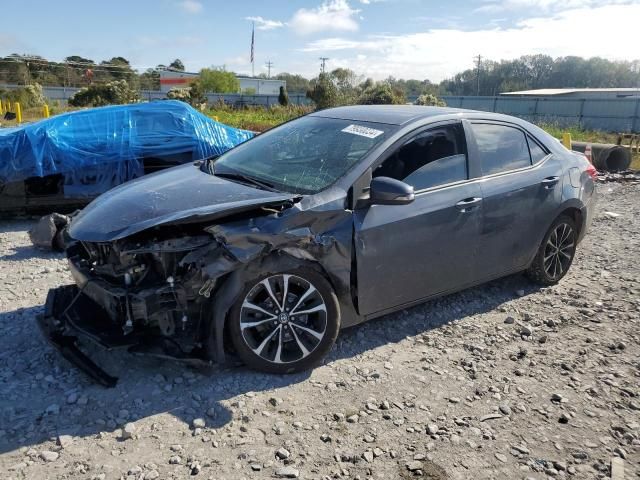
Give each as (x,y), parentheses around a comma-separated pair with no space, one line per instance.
(253,33)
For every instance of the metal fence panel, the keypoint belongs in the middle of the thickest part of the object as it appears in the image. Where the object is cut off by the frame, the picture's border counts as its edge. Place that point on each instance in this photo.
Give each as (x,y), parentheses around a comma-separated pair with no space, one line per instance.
(62,94)
(607,114)
(512,106)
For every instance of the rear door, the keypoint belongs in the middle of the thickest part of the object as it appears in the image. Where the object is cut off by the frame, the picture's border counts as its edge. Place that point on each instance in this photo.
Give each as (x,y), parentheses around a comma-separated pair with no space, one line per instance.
(521,189)
(409,252)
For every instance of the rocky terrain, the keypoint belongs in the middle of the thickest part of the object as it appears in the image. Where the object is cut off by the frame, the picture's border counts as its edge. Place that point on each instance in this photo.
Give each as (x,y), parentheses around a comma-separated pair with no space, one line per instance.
(504,381)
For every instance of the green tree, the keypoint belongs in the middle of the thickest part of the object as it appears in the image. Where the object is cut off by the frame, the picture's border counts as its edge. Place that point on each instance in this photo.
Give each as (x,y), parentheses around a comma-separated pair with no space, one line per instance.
(283,98)
(119,68)
(295,83)
(323,92)
(177,65)
(219,81)
(150,79)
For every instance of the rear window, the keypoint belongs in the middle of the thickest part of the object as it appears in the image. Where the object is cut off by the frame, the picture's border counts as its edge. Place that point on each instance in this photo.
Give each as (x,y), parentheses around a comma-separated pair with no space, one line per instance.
(537,152)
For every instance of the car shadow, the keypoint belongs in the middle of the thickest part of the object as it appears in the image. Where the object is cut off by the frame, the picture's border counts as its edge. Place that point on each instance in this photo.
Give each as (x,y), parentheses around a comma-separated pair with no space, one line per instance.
(24,252)
(42,396)
(10,224)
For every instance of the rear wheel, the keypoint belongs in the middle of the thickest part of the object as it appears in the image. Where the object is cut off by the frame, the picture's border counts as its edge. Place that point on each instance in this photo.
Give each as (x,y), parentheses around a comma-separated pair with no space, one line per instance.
(285,322)
(556,252)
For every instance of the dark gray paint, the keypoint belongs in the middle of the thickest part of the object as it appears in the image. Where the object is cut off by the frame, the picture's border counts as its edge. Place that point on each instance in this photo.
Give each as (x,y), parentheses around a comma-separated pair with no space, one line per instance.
(378,257)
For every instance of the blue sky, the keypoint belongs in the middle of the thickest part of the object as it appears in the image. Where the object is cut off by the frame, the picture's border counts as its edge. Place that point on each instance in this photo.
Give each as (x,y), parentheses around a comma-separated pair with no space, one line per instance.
(377,38)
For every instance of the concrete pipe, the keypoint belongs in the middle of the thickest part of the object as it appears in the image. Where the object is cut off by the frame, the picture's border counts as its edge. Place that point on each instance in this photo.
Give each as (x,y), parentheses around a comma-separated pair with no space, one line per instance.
(606,156)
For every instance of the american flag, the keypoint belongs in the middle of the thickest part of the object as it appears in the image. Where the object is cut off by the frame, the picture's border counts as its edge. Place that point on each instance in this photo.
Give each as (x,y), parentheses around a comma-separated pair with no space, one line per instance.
(253,30)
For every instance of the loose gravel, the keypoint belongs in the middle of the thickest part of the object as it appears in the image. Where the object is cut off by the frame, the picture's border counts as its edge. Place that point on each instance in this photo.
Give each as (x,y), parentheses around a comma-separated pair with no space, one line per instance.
(503,381)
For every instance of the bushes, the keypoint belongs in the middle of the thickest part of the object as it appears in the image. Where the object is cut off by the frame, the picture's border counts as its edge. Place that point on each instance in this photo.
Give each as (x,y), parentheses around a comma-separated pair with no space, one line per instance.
(193,95)
(117,92)
(429,100)
(182,94)
(28,96)
(381,94)
(339,88)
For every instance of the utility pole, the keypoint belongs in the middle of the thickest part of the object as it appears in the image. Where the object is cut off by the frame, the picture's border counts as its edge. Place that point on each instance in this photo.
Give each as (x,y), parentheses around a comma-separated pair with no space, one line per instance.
(322,65)
(269,64)
(478,75)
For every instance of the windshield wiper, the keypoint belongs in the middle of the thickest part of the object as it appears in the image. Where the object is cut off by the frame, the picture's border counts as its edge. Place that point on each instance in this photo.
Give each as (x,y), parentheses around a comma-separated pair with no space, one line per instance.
(245,179)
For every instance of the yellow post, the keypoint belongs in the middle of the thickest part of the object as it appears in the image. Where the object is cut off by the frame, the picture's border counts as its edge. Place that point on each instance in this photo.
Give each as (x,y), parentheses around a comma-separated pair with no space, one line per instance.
(18,112)
(45,110)
(566,140)
(1,107)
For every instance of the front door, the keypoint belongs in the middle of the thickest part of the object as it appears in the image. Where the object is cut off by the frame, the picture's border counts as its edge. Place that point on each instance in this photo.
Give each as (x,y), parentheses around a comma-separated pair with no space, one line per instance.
(406,253)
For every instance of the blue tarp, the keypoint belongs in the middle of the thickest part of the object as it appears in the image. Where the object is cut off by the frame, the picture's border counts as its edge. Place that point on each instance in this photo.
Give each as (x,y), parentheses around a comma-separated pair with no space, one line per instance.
(107,144)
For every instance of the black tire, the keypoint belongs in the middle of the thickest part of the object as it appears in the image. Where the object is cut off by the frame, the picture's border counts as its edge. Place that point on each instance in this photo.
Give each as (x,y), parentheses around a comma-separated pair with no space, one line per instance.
(290,334)
(549,266)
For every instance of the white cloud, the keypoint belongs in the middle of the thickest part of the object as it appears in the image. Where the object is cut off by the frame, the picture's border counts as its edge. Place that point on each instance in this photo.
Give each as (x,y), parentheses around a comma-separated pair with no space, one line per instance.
(265,24)
(330,15)
(191,6)
(607,31)
(543,6)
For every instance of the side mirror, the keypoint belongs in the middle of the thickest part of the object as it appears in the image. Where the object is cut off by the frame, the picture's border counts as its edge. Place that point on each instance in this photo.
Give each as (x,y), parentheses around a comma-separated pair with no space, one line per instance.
(389,191)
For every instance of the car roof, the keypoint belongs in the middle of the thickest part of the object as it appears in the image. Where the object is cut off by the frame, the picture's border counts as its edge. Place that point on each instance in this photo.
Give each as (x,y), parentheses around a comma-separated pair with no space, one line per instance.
(391,114)
(404,114)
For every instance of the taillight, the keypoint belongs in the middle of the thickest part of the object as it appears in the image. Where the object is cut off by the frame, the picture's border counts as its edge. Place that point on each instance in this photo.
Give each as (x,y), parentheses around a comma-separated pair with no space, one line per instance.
(591,170)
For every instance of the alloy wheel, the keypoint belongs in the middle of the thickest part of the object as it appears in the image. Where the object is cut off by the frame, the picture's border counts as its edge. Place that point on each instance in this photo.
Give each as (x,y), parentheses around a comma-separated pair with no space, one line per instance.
(283,318)
(559,251)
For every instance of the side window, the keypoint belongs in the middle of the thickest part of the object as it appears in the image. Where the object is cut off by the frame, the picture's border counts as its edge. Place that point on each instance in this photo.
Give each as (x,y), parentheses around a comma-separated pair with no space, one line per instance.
(501,148)
(537,152)
(432,158)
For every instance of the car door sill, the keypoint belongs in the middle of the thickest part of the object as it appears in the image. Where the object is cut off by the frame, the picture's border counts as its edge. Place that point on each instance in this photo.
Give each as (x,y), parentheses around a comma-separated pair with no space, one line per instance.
(443,293)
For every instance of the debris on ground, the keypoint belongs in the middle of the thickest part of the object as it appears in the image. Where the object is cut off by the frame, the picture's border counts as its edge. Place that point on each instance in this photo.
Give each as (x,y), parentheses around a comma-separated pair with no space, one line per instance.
(48,232)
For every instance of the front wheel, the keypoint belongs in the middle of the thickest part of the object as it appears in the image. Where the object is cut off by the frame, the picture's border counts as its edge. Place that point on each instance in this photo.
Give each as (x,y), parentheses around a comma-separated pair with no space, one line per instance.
(556,252)
(285,322)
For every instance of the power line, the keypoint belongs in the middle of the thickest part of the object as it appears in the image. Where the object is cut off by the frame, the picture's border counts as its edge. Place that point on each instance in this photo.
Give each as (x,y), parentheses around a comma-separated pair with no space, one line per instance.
(269,64)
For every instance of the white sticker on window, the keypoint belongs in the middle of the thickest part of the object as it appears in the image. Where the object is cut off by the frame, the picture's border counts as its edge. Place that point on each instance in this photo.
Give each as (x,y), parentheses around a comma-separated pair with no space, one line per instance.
(363,131)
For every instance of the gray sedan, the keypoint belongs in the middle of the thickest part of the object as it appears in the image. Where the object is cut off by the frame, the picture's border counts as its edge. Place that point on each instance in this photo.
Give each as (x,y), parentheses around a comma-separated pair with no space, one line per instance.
(324,222)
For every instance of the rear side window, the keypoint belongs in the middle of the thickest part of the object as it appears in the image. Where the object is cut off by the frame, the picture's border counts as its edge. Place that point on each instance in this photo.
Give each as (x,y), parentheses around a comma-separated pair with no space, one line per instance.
(501,148)
(537,152)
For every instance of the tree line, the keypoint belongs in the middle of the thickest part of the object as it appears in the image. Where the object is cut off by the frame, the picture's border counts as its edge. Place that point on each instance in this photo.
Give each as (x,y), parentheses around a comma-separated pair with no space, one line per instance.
(488,78)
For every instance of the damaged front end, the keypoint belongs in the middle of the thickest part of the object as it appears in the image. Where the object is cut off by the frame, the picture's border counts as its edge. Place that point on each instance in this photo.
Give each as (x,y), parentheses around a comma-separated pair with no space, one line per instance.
(133,294)
(166,291)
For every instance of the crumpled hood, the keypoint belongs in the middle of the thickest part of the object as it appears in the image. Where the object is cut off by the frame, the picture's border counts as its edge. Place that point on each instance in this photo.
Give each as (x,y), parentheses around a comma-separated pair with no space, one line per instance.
(183,193)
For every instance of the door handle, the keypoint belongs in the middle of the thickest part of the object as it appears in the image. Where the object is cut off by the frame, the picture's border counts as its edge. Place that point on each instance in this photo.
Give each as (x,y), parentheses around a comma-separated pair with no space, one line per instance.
(550,182)
(468,204)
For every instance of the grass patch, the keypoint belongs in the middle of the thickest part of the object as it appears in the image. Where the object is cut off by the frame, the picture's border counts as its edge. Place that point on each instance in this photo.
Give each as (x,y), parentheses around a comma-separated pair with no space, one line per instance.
(257,119)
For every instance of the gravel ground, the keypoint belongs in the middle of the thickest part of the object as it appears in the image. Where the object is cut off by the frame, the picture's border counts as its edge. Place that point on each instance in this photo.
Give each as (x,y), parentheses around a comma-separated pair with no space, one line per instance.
(502,381)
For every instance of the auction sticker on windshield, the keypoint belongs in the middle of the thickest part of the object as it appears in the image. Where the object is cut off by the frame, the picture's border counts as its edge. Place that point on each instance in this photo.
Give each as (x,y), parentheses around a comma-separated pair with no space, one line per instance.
(363,131)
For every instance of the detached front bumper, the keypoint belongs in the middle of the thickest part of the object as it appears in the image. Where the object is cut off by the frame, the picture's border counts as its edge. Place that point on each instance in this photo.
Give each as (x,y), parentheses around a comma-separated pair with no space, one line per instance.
(65,319)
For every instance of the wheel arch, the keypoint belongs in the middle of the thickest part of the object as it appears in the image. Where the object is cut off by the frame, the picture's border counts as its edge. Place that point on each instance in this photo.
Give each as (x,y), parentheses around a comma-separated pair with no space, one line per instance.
(574,209)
